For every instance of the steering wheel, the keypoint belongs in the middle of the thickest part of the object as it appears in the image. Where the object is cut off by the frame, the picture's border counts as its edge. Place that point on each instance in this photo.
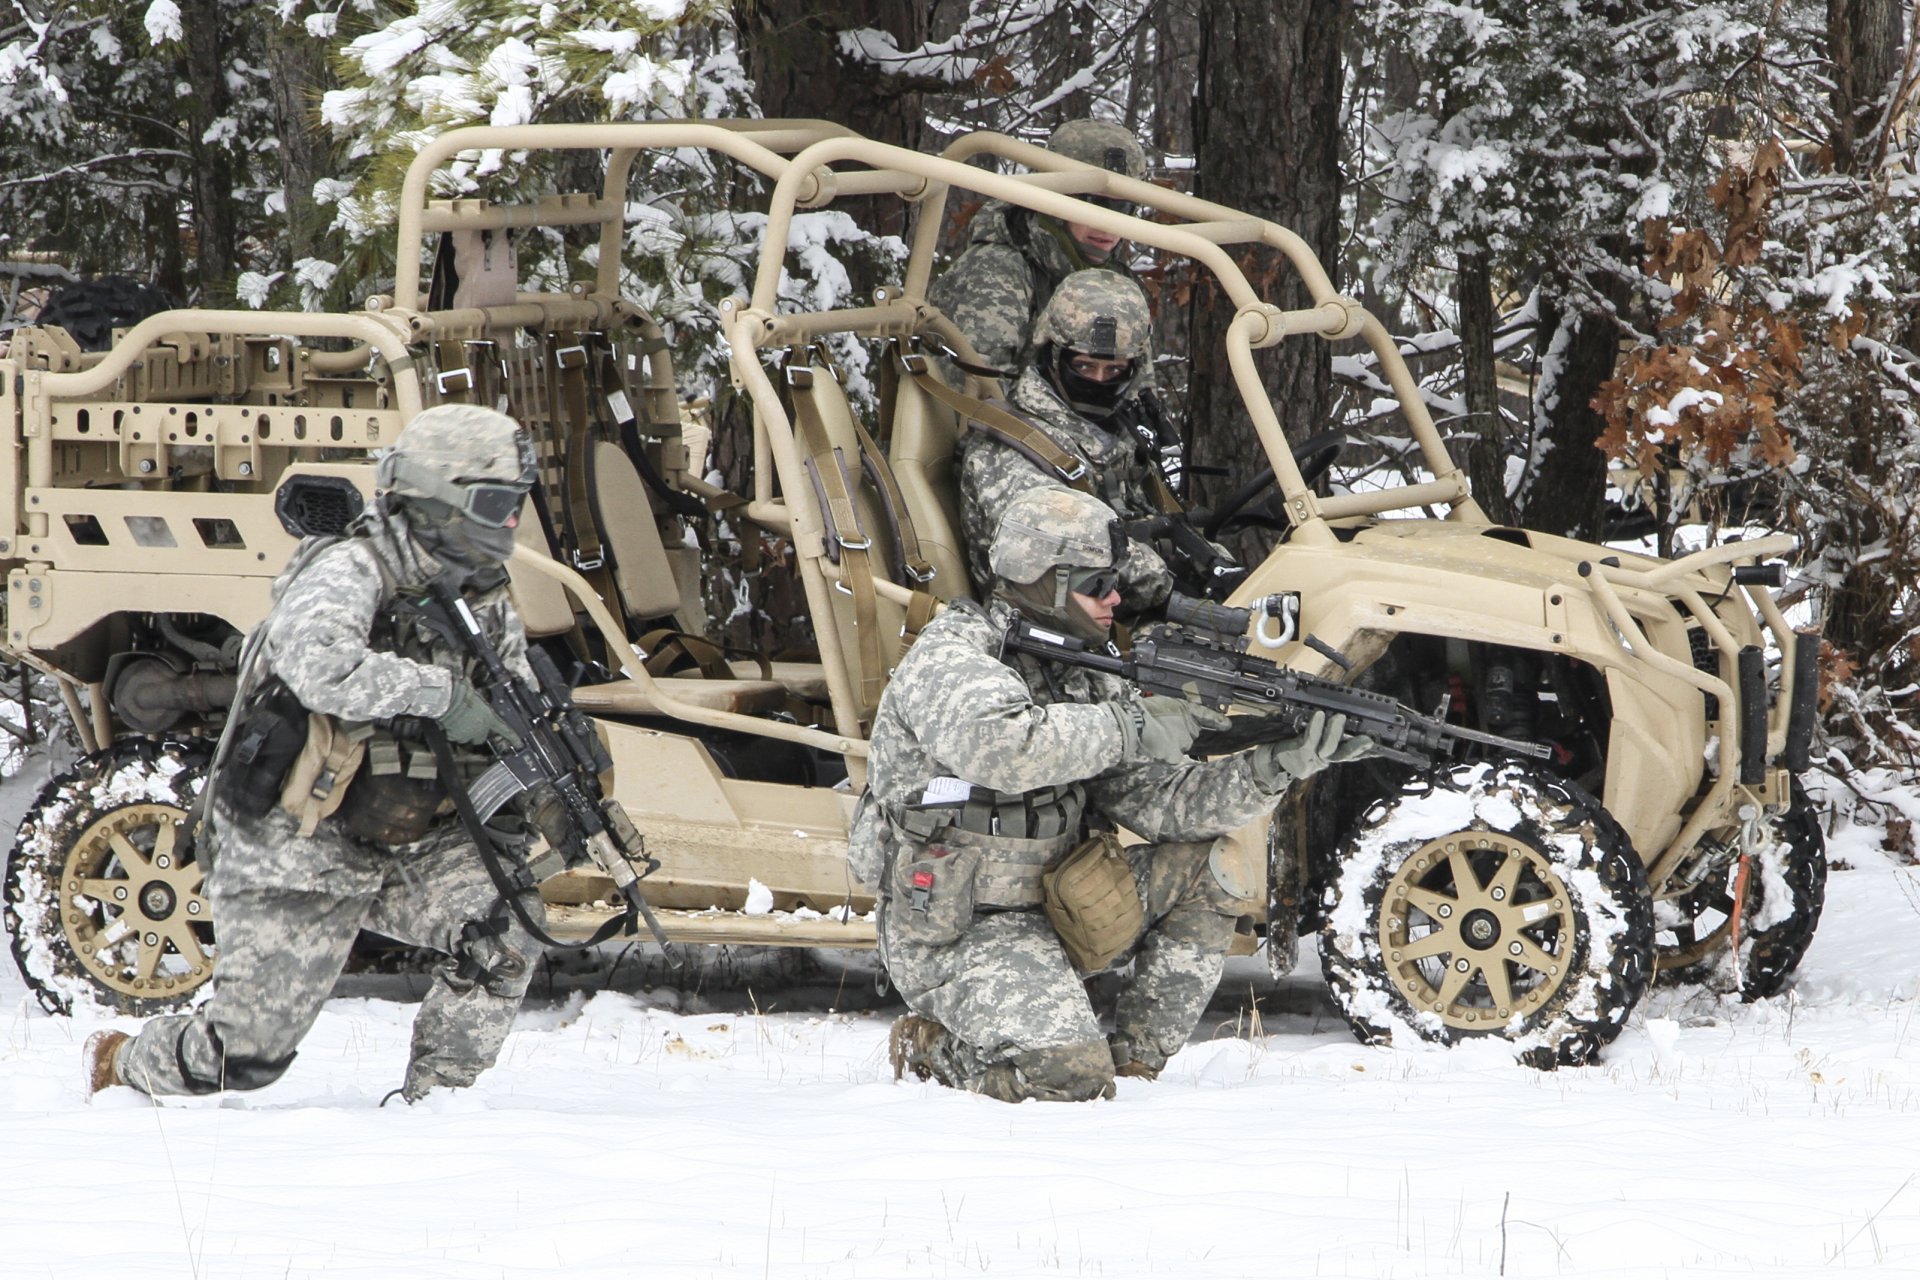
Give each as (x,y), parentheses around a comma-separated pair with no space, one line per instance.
(1314,456)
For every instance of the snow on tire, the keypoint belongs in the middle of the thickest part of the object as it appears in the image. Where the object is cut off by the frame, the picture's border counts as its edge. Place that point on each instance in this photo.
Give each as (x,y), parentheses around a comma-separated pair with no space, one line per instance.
(1497,901)
(1786,890)
(105,904)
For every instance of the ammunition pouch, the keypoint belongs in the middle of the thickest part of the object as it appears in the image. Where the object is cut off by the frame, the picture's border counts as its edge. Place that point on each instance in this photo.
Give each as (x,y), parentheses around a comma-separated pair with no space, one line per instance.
(269,737)
(1092,901)
(323,772)
(396,794)
(984,853)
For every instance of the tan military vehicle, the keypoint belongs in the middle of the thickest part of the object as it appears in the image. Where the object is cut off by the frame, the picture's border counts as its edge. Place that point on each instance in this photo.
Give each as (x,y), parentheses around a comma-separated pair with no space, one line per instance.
(150,492)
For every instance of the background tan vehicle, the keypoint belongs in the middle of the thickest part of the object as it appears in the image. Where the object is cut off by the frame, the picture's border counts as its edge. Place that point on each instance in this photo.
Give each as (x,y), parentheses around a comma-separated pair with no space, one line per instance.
(152,490)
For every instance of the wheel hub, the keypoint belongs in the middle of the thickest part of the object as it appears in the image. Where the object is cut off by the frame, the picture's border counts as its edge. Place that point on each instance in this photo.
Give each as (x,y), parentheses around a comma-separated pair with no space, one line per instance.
(1480,929)
(1475,927)
(132,906)
(157,900)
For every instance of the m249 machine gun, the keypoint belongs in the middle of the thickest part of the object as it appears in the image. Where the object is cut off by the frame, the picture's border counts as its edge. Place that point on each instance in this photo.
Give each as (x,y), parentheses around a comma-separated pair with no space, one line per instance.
(1202,657)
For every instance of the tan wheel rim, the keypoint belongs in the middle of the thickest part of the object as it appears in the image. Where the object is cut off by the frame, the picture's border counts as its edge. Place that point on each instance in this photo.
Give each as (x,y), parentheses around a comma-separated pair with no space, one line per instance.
(133,912)
(1476,928)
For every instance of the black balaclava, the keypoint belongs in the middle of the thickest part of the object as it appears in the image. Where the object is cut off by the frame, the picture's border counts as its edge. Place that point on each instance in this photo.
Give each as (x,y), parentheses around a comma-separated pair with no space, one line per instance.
(1090,399)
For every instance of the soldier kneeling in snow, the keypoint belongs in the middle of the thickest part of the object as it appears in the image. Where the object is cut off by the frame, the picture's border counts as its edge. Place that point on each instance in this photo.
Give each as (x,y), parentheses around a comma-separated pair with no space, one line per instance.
(326,801)
(986,776)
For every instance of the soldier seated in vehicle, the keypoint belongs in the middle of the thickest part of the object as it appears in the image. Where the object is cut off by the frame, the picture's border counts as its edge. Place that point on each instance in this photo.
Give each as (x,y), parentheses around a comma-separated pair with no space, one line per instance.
(326,803)
(1015,258)
(1092,348)
(986,776)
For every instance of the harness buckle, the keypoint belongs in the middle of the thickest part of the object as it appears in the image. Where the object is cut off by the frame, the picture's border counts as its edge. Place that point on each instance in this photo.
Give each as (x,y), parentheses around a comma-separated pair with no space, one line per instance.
(587,564)
(446,379)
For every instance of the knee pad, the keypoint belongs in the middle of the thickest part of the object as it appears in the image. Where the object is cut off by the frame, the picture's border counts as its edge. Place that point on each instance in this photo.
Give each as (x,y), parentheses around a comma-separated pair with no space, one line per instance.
(1062,1073)
(236,1071)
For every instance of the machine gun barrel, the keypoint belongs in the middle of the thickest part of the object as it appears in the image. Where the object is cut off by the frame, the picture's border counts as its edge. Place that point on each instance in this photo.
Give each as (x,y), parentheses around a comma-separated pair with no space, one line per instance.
(1217,673)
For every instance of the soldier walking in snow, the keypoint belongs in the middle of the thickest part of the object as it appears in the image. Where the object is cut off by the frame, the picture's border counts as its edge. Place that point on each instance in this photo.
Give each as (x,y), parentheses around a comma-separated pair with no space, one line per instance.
(326,804)
(985,776)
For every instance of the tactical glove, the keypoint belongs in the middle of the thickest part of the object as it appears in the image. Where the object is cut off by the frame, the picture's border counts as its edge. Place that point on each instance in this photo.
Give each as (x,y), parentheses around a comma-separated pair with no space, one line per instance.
(1163,728)
(1307,753)
(470,719)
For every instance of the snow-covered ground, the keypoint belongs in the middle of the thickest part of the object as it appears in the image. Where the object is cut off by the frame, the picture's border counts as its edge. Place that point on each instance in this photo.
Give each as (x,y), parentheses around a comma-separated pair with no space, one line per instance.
(635,1133)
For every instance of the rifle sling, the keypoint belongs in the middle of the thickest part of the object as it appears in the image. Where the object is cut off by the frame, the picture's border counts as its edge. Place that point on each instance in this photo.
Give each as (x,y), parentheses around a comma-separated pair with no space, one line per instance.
(495,862)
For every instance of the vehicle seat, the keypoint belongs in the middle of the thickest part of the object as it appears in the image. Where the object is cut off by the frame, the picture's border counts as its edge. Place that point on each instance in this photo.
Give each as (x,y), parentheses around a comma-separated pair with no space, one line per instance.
(816,391)
(924,433)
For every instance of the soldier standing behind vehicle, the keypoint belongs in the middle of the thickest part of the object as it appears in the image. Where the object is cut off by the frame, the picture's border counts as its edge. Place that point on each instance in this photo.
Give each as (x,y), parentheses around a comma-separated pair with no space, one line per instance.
(985,775)
(1015,258)
(325,799)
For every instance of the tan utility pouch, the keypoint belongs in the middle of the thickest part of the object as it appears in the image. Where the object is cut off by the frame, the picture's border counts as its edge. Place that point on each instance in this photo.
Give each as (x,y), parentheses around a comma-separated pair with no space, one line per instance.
(1090,897)
(317,783)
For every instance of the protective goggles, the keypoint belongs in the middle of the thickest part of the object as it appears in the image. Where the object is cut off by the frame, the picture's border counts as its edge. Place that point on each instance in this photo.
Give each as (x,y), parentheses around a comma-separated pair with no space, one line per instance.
(1095,584)
(1114,203)
(492,503)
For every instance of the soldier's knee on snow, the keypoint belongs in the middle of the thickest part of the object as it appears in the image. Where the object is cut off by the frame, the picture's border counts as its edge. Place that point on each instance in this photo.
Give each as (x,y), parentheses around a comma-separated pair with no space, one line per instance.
(232,1070)
(255,1073)
(1061,1073)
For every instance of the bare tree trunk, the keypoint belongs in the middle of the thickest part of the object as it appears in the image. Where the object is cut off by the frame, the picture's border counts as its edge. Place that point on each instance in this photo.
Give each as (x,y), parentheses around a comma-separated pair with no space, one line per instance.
(1487,453)
(1568,487)
(1176,70)
(798,72)
(216,230)
(1266,126)
(1864,39)
(299,76)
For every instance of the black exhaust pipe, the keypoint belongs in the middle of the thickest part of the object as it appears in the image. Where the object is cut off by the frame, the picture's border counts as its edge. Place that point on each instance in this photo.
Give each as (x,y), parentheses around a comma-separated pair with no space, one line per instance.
(1753,715)
(1798,753)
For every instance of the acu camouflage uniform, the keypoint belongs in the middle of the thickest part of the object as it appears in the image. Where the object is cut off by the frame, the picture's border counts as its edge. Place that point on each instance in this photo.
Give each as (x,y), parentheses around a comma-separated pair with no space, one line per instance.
(995,291)
(993,473)
(1015,259)
(983,960)
(289,905)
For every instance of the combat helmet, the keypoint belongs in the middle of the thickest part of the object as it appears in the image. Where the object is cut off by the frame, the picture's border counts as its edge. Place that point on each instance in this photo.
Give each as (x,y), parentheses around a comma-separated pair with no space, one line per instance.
(1101,314)
(1104,145)
(1049,542)
(1100,143)
(462,473)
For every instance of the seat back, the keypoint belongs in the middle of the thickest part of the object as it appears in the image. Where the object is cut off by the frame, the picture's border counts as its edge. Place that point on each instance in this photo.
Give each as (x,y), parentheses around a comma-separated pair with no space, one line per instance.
(924,433)
(623,510)
(543,604)
(816,389)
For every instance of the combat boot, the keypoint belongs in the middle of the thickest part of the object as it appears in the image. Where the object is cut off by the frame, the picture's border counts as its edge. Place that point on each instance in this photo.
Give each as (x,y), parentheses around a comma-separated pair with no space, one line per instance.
(911,1044)
(1126,1064)
(98,1059)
